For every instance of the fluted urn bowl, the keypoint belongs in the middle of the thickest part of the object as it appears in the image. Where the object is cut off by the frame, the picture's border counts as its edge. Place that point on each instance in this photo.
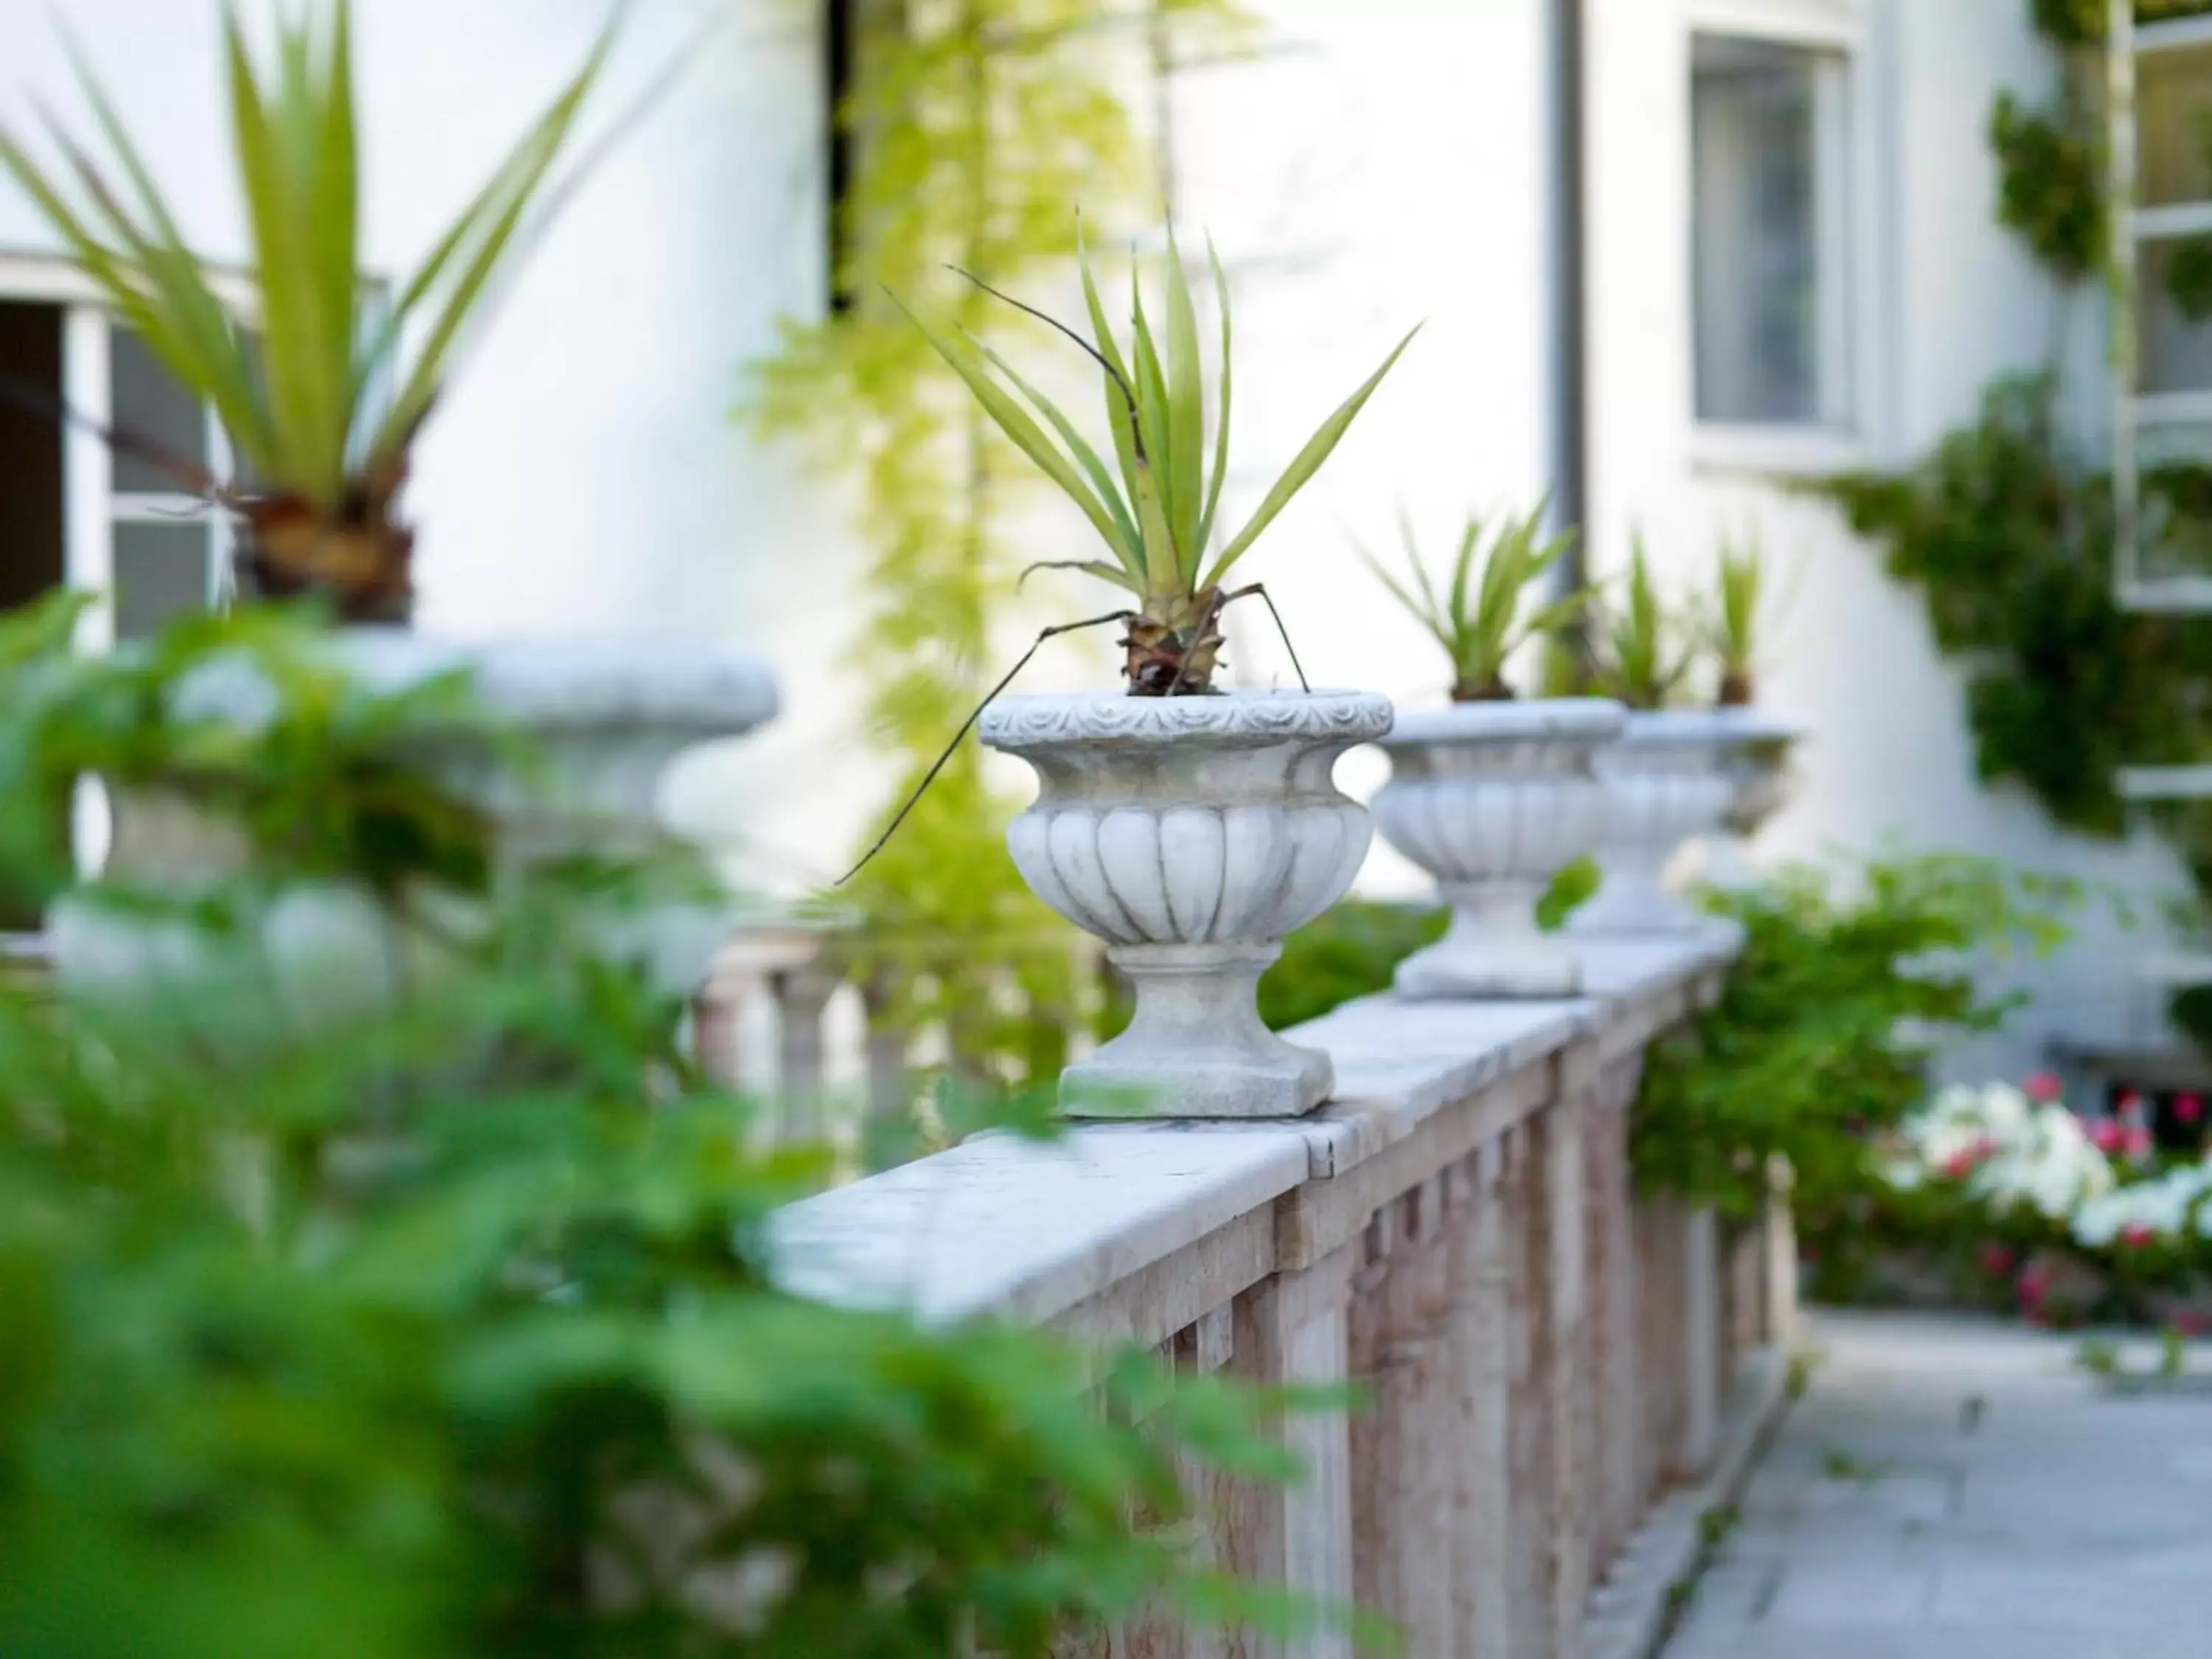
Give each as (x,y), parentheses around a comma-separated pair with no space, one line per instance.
(1664,788)
(1494,799)
(1190,834)
(1755,758)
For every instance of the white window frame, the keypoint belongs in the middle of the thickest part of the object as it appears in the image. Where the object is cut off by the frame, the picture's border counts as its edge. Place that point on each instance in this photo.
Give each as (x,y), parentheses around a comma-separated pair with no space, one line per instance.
(91,508)
(1848,27)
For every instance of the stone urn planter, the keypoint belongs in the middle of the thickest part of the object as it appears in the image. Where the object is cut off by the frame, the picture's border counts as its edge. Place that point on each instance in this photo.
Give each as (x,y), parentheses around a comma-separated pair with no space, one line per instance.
(1494,799)
(602,719)
(1755,758)
(1664,788)
(1190,834)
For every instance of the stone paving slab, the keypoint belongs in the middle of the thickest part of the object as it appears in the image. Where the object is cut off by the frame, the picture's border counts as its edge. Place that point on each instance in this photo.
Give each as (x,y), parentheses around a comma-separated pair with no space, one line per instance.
(1952,1489)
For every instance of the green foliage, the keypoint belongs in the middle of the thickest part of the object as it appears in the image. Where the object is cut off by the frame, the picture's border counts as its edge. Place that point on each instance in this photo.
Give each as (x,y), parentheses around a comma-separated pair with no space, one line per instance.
(1739,590)
(2188,277)
(1647,652)
(2081,22)
(1350,951)
(974,128)
(305,405)
(2051,187)
(447,1327)
(1156,517)
(1822,1032)
(1481,624)
(2009,537)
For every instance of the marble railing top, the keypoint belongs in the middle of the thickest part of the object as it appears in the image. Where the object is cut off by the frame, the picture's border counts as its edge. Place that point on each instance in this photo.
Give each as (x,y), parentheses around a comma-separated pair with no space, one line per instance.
(1004,1226)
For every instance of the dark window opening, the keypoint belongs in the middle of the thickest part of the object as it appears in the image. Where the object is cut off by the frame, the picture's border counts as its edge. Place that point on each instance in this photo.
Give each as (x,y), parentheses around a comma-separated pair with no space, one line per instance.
(840,58)
(32,551)
(31,536)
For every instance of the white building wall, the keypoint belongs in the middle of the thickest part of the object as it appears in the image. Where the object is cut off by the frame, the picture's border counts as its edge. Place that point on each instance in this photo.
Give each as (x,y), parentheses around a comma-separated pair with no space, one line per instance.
(1955,304)
(1376,166)
(584,472)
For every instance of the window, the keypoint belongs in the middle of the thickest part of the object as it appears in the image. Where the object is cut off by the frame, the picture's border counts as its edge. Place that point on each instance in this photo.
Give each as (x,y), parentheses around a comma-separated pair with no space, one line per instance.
(1770,212)
(73,510)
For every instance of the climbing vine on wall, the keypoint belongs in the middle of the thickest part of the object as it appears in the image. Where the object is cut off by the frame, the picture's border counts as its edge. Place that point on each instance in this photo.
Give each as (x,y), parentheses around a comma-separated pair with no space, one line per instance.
(976,130)
(2007,529)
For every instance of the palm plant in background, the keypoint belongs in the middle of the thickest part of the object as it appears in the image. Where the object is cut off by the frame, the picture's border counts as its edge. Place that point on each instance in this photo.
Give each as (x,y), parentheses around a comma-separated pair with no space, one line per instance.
(1155,509)
(1645,659)
(321,407)
(1481,621)
(1739,586)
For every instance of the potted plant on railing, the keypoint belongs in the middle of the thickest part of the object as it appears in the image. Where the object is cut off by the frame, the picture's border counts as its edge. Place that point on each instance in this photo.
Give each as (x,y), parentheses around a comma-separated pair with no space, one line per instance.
(322,408)
(1755,754)
(1663,781)
(1188,826)
(1493,796)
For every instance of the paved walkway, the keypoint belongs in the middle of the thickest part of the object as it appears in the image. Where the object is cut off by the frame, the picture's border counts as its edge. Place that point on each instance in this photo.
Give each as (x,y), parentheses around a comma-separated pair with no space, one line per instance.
(1953,1490)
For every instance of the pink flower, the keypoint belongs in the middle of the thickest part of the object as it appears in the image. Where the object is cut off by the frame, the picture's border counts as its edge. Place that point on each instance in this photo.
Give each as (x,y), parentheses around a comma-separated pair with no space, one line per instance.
(2136,1143)
(1996,1261)
(2032,1284)
(2129,1102)
(1962,1164)
(2107,1134)
(2042,1086)
(2138,1235)
(2189,1109)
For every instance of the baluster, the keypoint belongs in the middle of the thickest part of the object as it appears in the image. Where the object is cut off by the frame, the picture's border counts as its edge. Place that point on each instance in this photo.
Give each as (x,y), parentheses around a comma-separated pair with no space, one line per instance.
(1481,1335)
(1401,1447)
(1530,1421)
(1291,1329)
(1618,1279)
(801,993)
(1701,1340)
(1564,1137)
(1781,1257)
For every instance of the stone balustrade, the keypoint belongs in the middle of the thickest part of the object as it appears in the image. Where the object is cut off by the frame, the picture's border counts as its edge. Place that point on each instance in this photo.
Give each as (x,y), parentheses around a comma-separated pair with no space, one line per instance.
(787,1014)
(1545,1354)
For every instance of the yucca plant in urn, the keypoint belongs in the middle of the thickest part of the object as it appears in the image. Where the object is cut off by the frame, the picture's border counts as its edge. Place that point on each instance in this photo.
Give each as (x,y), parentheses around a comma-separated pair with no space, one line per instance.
(322,393)
(1757,749)
(1663,782)
(1189,826)
(1493,796)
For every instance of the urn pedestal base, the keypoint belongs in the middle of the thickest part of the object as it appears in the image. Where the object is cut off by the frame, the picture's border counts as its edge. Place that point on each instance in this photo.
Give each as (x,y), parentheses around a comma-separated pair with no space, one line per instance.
(1197,1041)
(1494,950)
(1633,904)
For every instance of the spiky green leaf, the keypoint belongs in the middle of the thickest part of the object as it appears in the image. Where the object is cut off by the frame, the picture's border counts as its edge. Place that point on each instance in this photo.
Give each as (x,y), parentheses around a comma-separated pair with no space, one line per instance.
(1301,468)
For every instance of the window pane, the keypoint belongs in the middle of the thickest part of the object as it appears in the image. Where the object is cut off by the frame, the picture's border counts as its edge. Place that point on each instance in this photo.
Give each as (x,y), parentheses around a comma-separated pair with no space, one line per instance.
(1767,208)
(2174,94)
(150,404)
(2177,349)
(161,572)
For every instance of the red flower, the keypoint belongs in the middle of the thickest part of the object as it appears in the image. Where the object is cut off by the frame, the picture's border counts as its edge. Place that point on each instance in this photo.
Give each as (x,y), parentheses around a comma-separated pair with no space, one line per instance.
(1996,1261)
(2129,1102)
(2191,1321)
(2138,1235)
(2189,1109)
(2043,1086)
